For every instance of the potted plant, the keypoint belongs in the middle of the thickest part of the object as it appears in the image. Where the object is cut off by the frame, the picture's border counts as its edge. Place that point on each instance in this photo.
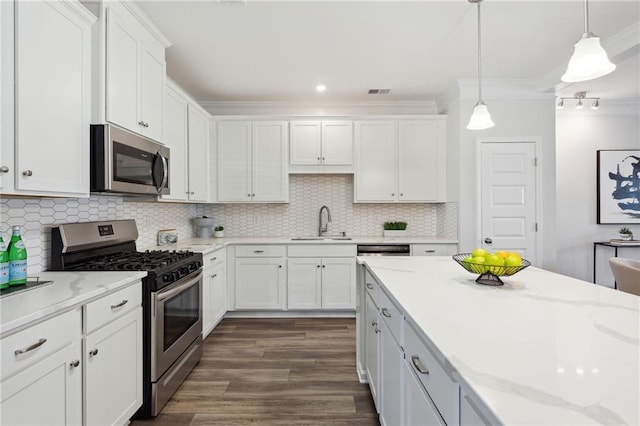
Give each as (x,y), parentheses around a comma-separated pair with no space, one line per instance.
(395,229)
(625,233)
(218,232)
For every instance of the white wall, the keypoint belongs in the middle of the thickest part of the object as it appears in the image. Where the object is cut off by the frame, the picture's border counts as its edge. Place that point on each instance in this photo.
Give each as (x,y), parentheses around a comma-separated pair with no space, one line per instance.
(519,118)
(579,135)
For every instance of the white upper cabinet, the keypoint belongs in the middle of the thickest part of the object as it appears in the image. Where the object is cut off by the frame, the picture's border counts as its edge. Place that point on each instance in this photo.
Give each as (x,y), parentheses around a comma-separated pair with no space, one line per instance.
(134,79)
(46,98)
(321,147)
(252,161)
(186,130)
(376,178)
(401,161)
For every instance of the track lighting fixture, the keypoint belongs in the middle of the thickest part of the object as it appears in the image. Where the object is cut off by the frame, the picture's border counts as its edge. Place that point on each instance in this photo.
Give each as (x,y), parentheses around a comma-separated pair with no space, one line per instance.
(580,96)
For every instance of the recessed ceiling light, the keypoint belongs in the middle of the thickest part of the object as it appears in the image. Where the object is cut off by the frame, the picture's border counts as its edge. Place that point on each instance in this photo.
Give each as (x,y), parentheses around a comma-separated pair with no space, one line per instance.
(320,88)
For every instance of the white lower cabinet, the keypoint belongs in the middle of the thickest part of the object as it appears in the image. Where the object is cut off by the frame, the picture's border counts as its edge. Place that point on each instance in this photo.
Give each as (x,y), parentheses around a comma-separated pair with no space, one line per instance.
(418,409)
(391,360)
(321,277)
(372,349)
(260,282)
(214,295)
(112,359)
(46,393)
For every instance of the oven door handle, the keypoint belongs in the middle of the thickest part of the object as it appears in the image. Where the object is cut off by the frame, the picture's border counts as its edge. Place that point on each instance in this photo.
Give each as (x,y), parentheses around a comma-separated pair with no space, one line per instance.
(178,287)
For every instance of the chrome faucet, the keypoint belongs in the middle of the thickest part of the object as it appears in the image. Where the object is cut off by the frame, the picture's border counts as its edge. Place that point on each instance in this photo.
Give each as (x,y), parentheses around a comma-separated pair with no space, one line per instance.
(323,229)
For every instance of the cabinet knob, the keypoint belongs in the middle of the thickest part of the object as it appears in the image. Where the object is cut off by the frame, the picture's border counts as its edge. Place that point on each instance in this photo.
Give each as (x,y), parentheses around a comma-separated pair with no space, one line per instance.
(377,330)
(141,123)
(386,313)
(214,275)
(370,286)
(279,266)
(322,158)
(393,194)
(93,352)
(317,266)
(27,173)
(74,363)
(402,194)
(253,195)
(186,192)
(324,266)
(146,124)
(248,195)
(191,193)
(415,360)
(318,158)
(4,169)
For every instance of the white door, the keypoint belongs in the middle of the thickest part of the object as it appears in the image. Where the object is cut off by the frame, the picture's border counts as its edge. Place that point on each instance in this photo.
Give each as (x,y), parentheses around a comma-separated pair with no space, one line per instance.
(304,283)
(508,197)
(270,178)
(337,143)
(234,161)
(305,143)
(339,283)
(376,161)
(198,155)
(152,86)
(418,159)
(175,136)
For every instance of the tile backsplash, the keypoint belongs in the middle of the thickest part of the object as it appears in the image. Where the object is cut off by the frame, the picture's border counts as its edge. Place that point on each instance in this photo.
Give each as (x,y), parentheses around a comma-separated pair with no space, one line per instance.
(299,217)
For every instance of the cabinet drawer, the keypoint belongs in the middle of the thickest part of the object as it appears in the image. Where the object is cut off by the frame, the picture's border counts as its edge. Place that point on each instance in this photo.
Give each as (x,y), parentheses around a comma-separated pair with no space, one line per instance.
(261,251)
(441,388)
(106,309)
(433,249)
(38,341)
(372,287)
(324,250)
(391,315)
(214,258)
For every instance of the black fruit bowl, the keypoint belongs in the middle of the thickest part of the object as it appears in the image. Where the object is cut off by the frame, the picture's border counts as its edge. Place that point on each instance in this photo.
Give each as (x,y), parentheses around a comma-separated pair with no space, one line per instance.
(489,274)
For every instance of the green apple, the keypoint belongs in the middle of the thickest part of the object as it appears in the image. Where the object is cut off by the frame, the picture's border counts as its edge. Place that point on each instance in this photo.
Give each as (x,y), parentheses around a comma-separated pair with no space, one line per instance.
(479,252)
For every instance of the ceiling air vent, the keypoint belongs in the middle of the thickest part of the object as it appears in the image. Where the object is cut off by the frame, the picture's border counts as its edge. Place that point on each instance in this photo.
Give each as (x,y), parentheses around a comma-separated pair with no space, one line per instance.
(379,91)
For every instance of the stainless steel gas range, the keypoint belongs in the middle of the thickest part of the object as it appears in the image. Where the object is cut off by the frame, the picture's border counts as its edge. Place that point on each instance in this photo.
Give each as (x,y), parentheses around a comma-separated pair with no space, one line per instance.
(172,298)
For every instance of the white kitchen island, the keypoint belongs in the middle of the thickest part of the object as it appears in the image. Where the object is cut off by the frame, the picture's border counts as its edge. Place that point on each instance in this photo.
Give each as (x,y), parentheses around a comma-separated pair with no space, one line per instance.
(542,349)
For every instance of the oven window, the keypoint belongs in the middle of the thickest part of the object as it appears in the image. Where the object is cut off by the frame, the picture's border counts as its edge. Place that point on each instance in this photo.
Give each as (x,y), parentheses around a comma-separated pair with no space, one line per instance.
(180,313)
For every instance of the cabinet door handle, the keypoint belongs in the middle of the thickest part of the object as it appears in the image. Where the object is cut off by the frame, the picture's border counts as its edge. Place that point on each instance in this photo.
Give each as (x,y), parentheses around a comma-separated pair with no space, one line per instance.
(377,330)
(429,251)
(386,313)
(402,194)
(248,195)
(213,259)
(4,169)
(120,305)
(146,124)
(373,323)
(280,266)
(318,158)
(370,286)
(214,275)
(415,360)
(324,266)
(74,363)
(317,266)
(93,352)
(141,123)
(258,251)
(253,195)
(27,173)
(39,343)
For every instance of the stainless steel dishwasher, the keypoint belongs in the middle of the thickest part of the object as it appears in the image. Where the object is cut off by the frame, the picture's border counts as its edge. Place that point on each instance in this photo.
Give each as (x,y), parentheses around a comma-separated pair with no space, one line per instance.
(384,249)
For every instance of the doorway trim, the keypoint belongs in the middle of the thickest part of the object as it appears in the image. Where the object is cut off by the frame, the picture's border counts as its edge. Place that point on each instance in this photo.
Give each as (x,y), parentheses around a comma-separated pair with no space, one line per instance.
(537,141)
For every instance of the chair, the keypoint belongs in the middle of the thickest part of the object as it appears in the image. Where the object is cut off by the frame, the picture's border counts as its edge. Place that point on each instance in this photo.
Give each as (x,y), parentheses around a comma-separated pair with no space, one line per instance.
(627,274)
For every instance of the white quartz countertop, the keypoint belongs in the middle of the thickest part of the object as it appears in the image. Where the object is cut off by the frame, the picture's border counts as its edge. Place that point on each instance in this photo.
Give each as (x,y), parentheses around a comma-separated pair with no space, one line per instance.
(542,349)
(68,290)
(209,244)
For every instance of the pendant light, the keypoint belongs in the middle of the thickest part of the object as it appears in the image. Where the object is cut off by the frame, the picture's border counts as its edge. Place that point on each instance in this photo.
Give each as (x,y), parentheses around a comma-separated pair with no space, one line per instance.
(589,59)
(480,119)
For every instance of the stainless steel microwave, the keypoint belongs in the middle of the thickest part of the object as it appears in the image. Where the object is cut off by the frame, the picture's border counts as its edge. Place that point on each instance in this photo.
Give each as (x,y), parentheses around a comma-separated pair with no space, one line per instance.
(123,162)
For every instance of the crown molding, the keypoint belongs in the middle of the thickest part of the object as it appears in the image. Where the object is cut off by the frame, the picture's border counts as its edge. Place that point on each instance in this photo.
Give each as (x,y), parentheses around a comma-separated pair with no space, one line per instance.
(448,98)
(80,11)
(145,21)
(337,108)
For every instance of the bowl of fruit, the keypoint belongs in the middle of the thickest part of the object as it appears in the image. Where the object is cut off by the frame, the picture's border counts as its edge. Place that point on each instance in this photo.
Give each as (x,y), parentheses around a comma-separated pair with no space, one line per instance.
(491,266)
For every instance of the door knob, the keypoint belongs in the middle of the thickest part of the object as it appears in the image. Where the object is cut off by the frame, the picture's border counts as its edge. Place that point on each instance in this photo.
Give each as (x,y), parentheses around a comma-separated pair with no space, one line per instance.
(27,173)
(488,240)
(4,169)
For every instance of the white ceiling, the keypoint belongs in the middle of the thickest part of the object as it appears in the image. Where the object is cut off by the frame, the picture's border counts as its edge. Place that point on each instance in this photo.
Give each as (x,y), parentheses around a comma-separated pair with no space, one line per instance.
(278,51)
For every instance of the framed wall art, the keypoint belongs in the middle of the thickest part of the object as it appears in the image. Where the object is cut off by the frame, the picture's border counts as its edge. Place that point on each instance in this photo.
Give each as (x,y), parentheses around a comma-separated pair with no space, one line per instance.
(618,186)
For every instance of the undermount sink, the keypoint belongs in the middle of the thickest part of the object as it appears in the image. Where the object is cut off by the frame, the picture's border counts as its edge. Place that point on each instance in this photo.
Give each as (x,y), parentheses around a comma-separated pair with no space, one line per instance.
(320,238)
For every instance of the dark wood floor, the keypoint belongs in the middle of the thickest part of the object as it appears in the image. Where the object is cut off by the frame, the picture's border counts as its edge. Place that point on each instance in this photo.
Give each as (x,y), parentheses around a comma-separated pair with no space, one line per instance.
(274,372)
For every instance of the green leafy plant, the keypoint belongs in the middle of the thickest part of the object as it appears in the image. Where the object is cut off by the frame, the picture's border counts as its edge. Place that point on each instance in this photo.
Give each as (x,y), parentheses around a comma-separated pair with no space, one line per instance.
(624,230)
(219,228)
(395,226)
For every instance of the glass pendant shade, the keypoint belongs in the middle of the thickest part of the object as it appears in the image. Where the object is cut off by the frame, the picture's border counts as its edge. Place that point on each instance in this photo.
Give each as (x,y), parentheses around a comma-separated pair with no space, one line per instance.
(480,119)
(589,61)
